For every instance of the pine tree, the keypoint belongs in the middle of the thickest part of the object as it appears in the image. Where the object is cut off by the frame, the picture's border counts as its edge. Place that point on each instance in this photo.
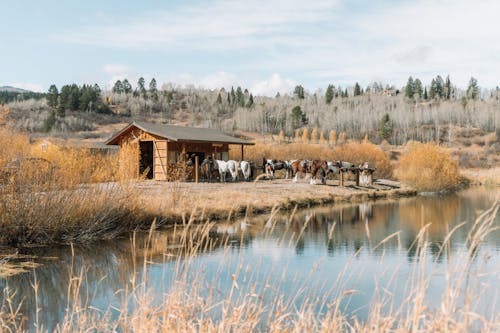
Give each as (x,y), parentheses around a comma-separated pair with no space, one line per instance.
(233,96)
(447,87)
(410,88)
(52,96)
(127,87)
(357,90)
(141,87)
(219,98)
(250,101)
(299,92)
(417,88)
(426,97)
(153,91)
(329,94)
(118,87)
(385,127)
(473,89)
(240,98)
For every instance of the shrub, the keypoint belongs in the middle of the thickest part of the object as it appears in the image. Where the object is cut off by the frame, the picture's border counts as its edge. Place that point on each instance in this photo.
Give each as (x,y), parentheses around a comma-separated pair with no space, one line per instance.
(428,167)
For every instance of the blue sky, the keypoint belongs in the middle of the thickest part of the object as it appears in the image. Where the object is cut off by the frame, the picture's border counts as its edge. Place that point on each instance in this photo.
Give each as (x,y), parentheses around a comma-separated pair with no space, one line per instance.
(266,46)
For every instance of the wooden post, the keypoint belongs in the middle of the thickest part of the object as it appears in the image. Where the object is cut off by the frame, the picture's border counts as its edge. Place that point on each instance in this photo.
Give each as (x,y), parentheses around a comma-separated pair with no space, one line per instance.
(341,178)
(242,153)
(357,177)
(371,178)
(196,166)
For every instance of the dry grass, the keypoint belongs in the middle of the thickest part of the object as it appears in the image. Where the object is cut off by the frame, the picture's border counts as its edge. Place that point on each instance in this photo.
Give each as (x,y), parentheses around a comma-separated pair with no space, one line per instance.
(197,305)
(428,167)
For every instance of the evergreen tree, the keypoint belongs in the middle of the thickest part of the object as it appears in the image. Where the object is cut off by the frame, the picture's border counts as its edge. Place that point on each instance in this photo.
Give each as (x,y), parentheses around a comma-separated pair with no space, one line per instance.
(118,87)
(473,89)
(240,98)
(250,101)
(433,89)
(233,96)
(141,87)
(299,92)
(426,97)
(357,89)
(447,88)
(417,88)
(410,88)
(440,87)
(298,117)
(385,127)
(229,98)
(219,98)
(52,96)
(329,94)
(153,91)
(127,87)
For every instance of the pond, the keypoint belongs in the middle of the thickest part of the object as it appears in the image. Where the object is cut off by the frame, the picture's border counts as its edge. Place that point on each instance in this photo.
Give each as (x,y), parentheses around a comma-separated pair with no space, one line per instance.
(351,256)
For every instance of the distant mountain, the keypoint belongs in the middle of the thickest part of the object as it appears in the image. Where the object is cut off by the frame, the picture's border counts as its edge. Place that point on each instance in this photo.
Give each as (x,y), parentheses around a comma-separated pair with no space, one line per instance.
(14,90)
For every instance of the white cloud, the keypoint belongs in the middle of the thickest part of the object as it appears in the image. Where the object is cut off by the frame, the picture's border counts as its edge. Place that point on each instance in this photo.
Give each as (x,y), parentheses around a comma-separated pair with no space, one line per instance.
(272,86)
(220,24)
(115,69)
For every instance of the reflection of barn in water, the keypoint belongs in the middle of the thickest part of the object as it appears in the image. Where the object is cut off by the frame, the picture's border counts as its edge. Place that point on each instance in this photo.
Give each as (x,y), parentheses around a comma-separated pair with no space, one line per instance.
(154,150)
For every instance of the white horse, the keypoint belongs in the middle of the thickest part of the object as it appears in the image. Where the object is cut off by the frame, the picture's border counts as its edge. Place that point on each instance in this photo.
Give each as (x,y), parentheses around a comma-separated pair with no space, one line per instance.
(222,167)
(232,166)
(245,169)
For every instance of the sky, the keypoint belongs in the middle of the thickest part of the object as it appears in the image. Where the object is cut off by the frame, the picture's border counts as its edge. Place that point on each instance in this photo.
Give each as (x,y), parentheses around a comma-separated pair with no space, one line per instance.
(267,46)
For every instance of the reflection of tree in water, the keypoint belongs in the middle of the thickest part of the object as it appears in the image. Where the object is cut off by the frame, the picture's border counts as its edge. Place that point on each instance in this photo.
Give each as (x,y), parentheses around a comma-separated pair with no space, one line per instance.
(440,212)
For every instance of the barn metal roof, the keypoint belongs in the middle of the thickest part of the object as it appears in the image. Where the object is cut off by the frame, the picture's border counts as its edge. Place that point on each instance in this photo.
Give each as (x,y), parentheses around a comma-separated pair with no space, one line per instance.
(180,133)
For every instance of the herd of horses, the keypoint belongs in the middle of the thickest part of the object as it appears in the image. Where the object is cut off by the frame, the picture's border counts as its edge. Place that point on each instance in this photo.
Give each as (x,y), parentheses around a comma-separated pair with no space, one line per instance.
(212,169)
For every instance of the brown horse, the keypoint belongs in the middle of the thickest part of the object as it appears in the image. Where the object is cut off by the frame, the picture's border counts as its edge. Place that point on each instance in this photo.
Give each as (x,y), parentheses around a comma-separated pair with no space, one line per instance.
(322,168)
(300,166)
(207,169)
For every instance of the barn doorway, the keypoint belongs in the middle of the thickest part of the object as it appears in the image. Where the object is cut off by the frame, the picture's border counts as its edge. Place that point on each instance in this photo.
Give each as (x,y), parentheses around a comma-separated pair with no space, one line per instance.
(146,163)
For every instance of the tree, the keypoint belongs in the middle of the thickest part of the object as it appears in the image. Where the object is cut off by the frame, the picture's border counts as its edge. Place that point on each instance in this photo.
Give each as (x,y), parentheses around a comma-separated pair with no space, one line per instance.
(219,98)
(127,87)
(357,89)
(425,94)
(447,88)
(417,88)
(385,128)
(141,87)
(118,87)
(298,117)
(299,92)
(250,101)
(153,91)
(473,89)
(52,96)
(233,96)
(329,94)
(240,98)
(410,88)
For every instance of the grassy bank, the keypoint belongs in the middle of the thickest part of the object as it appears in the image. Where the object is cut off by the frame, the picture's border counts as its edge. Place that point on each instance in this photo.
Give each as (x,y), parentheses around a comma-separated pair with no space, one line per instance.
(59,194)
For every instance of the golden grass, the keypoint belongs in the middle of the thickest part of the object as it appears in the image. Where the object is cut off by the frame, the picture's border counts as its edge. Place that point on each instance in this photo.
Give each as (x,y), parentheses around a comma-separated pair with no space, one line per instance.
(428,167)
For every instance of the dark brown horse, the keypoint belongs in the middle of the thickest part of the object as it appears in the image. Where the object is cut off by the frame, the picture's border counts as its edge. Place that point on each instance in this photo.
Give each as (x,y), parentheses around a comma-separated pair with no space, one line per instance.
(320,167)
(207,169)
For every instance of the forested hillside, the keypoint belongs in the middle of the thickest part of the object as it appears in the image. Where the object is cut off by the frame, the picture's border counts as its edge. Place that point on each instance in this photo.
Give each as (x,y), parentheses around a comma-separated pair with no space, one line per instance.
(413,112)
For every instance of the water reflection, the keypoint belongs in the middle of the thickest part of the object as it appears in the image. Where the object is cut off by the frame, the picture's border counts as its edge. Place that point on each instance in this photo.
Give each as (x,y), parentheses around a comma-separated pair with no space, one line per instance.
(110,269)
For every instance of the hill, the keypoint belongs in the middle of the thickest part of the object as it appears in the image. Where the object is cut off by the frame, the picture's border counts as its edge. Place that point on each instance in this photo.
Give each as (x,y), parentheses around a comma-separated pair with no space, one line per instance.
(14,90)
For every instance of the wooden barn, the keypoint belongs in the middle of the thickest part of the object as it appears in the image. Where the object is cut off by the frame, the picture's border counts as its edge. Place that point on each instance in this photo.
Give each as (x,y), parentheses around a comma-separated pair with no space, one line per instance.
(154,149)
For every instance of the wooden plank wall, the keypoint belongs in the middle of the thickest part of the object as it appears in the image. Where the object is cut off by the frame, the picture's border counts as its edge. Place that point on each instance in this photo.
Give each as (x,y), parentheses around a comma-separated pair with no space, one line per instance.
(160,159)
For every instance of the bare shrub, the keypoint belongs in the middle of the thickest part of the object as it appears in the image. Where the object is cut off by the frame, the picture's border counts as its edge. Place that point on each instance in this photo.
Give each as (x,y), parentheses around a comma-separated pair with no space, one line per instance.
(428,167)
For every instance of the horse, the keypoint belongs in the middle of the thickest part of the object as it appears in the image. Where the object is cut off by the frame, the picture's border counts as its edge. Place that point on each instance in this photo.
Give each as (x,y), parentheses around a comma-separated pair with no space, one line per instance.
(222,168)
(207,168)
(246,170)
(232,167)
(322,167)
(270,166)
(300,166)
